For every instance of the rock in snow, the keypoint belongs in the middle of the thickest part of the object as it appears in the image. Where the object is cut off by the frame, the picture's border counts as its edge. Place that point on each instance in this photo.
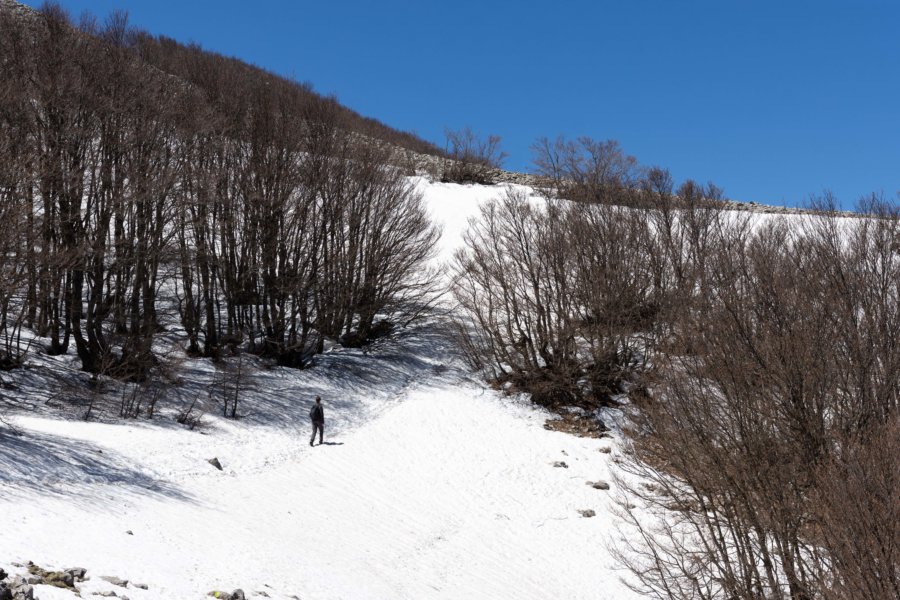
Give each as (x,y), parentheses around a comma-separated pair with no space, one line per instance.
(115,580)
(237,594)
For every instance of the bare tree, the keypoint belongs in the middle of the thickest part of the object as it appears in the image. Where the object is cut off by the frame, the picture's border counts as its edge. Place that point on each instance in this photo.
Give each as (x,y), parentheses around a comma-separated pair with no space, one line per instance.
(471,158)
(587,170)
(857,507)
(15,270)
(555,317)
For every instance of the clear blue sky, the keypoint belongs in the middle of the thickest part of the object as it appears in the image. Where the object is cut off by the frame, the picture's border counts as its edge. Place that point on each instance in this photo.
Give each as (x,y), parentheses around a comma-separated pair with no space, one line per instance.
(772,100)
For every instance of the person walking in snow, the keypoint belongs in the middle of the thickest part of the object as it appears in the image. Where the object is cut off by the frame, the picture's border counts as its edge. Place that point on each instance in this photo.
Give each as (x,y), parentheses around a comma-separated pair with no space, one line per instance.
(317,416)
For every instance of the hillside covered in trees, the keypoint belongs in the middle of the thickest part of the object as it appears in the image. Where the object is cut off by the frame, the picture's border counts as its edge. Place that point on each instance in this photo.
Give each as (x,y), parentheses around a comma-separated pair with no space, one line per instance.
(182,235)
(132,164)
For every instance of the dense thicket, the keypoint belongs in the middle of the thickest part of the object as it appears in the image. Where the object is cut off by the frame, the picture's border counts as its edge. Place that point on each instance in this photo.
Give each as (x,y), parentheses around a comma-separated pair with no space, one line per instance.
(769,419)
(571,291)
(553,317)
(130,165)
(763,353)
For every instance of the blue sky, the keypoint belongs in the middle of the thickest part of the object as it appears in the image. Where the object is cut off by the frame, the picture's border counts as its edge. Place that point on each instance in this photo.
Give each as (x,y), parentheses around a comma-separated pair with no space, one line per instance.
(771,100)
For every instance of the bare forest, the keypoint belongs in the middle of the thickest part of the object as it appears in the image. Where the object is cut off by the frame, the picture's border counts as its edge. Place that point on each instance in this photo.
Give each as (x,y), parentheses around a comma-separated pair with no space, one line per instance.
(148,186)
(135,170)
(758,360)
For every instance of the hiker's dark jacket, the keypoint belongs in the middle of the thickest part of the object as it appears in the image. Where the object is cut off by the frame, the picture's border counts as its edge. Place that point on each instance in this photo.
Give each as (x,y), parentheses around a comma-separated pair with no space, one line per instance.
(317,413)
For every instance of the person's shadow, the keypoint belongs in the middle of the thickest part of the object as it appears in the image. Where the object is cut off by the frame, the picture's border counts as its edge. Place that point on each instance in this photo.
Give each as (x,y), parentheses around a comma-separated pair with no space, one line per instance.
(332,444)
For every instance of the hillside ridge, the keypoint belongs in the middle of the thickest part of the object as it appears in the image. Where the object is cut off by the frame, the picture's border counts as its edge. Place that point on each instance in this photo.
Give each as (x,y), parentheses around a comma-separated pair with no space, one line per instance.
(434,165)
(357,122)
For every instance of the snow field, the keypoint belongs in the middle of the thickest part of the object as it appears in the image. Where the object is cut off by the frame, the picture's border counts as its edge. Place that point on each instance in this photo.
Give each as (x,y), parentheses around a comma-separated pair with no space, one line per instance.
(448,494)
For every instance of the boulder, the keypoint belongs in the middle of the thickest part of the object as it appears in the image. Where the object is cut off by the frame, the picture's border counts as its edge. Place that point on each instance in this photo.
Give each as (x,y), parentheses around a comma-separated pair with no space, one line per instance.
(60,579)
(77,573)
(581,425)
(115,580)
(238,594)
(587,513)
(600,485)
(215,462)
(21,590)
(560,464)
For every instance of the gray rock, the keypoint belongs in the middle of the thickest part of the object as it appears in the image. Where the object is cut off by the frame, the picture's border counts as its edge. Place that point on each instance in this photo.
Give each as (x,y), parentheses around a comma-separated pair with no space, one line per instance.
(238,594)
(587,513)
(220,595)
(142,586)
(560,464)
(35,580)
(2,574)
(21,589)
(605,449)
(115,580)
(600,485)
(215,462)
(106,594)
(59,579)
(5,592)
(77,573)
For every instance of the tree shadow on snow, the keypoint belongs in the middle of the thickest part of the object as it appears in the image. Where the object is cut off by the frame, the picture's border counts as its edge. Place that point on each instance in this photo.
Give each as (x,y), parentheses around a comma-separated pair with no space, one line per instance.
(345,378)
(40,464)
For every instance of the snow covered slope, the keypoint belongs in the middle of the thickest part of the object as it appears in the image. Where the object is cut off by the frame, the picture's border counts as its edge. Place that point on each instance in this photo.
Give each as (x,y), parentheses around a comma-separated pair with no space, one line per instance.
(429,485)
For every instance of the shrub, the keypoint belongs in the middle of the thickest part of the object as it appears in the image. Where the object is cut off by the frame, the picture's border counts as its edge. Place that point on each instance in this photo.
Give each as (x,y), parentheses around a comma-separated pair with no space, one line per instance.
(471,159)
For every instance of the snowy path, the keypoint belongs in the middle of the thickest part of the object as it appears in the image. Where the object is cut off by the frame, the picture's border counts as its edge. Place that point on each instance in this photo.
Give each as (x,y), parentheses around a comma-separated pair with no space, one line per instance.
(447,494)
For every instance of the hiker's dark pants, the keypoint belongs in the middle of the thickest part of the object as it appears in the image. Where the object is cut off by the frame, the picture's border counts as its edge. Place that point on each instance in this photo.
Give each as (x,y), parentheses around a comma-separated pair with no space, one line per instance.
(320,427)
